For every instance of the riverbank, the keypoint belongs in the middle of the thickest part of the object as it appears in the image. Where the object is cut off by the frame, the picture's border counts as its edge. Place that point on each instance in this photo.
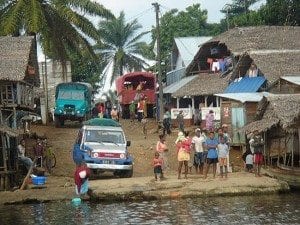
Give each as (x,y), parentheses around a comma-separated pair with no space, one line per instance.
(145,188)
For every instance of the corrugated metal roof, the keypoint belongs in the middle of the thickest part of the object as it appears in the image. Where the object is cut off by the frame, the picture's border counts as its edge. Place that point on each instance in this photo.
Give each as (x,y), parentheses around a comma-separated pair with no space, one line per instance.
(177,85)
(244,97)
(189,46)
(292,79)
(246,84)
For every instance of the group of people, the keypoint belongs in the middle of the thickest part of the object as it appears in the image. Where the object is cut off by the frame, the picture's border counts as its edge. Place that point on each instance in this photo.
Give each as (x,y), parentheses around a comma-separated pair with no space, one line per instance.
(105,110)
(209,148)
(38,150)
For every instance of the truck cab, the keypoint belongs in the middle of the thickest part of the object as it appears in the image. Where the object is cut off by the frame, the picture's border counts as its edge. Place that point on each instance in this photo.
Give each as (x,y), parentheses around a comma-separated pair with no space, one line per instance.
(72,102)
(102,144)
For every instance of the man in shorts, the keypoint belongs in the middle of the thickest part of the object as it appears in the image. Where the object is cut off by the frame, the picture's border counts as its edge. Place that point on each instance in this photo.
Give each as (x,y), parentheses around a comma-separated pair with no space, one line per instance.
(198,147)
(257,143)
(212,155)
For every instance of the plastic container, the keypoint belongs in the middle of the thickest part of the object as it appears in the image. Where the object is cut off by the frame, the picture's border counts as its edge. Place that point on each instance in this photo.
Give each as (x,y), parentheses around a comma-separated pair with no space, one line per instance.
(76,201)
(39,180)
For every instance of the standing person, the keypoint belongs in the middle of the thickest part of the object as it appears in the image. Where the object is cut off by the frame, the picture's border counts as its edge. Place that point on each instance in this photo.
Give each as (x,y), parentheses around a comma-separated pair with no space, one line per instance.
(145,99)
(21,154)
(210,120)
(248,159)
(212,155)
(101,110)
(167,122)
(81,175)
(223,153)
(257,143)
(39,152)
(144,124)
(226,134)
(162,149)
(108,108)
(198,146)
(115,114)
(180,121)
(95,111)
(140,110)
(184,150)
(132,111)
(157,165)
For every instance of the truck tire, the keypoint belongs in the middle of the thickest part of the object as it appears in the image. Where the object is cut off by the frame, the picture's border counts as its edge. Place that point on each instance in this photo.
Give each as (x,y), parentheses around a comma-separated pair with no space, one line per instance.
(57,121)
(126,173)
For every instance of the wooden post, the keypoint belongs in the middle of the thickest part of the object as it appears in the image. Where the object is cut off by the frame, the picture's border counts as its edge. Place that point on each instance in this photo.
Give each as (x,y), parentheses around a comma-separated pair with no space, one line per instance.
(205,101)
(299,145)
(28,174)
(177,103)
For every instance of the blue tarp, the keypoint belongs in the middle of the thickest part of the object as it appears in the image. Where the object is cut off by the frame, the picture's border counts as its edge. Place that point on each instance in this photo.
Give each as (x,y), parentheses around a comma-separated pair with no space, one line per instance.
(246,84)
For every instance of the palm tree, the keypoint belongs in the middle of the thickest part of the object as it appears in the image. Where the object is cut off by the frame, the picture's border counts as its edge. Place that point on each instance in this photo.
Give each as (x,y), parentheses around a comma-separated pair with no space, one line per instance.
(60,25)
(120,45)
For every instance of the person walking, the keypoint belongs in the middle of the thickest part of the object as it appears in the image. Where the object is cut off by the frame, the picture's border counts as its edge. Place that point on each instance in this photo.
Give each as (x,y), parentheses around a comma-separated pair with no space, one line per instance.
(180,121)
(198,142)
(212,155)
(114,114)
(167,122)
(140,110)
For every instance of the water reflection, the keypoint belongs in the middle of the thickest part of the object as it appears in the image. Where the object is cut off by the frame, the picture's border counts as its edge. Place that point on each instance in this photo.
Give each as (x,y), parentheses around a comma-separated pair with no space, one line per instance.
(274,209)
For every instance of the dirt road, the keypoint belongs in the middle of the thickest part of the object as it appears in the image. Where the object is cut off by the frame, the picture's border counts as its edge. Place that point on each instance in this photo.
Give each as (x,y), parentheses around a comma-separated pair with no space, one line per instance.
(142,150)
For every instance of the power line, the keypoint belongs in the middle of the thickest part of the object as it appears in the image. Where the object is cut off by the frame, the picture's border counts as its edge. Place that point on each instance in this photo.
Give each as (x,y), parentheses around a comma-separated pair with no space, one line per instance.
(139,14)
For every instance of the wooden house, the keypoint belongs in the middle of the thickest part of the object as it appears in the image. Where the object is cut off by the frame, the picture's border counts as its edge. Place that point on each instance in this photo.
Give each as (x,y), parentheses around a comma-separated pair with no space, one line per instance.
(19,75)
(278,119)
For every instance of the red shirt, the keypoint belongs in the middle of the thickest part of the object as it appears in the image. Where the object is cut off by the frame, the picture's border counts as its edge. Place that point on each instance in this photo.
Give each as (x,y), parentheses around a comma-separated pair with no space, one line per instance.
(78,180)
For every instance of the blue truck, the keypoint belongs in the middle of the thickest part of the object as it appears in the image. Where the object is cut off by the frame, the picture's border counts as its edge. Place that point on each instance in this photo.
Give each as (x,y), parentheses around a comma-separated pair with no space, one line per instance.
(102,145)
(73,101)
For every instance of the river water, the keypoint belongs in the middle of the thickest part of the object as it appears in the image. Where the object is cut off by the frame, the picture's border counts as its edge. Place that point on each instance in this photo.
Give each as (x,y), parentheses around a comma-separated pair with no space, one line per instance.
(269,209)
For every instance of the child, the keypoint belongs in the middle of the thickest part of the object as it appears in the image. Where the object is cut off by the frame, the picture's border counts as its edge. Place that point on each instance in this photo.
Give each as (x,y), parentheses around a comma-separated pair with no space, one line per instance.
(157,163)
(212,155)
(248,158)
(222,155)
(144,124)
(257,143)
(81,176)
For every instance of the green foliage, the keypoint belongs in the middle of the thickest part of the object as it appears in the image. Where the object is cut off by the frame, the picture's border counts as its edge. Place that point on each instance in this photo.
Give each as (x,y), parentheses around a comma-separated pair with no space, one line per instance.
(191,22)
(274,12)
(120,45)
(238,7)
(281,12)
(58,23)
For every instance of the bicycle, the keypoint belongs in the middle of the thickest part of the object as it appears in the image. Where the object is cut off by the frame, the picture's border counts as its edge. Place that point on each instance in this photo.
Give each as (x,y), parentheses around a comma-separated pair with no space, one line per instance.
(49,159)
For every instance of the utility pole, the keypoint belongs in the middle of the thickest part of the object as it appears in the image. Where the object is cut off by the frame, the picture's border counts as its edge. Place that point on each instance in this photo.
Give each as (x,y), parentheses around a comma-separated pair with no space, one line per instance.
(46,92)
(158,59)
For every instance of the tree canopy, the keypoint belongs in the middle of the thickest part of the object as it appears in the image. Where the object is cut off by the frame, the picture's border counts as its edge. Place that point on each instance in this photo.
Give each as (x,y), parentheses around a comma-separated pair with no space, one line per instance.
(120,45)
(190,22)
(59,24)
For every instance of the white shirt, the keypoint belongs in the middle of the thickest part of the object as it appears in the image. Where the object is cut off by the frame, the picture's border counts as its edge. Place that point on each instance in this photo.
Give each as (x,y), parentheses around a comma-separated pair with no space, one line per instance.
(222,150)
(249,159)
(198,142)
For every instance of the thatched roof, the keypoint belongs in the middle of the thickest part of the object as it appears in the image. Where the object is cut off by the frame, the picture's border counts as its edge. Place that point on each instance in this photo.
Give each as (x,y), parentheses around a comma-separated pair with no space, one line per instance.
(281,110)
(242,39)
(15,55)
(204,84)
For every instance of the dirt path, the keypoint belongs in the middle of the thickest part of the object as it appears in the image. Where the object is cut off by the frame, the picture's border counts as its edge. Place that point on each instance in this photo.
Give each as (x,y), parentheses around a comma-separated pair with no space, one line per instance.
(142,150)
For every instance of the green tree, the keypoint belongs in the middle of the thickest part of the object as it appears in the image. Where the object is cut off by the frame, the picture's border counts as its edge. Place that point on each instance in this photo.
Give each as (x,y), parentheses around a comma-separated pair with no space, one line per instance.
(281,12)
(120,45)
(190,22)
(59,24)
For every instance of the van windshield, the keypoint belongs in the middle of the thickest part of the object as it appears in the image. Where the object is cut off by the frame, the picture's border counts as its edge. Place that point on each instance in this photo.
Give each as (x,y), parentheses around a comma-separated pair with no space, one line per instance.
(102,136)
(70,94)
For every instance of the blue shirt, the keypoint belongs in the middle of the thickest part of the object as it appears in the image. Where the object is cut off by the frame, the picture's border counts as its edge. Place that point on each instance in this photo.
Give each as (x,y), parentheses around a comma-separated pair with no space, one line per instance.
(212,152)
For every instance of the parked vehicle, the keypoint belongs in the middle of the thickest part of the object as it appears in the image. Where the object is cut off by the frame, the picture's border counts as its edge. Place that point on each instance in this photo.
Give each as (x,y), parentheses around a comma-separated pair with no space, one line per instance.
(101,143)
(128,90)
(72,102)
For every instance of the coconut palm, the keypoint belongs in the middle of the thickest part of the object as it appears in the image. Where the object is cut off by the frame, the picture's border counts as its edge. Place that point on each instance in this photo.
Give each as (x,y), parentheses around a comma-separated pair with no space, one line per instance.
(121,45)
(59,24)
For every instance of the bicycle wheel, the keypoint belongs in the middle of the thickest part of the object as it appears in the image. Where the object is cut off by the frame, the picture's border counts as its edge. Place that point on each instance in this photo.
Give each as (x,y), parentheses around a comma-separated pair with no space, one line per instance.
(50,162)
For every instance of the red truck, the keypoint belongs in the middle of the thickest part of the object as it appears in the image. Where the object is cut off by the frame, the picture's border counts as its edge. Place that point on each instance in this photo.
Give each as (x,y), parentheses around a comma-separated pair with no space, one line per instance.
(132,86)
